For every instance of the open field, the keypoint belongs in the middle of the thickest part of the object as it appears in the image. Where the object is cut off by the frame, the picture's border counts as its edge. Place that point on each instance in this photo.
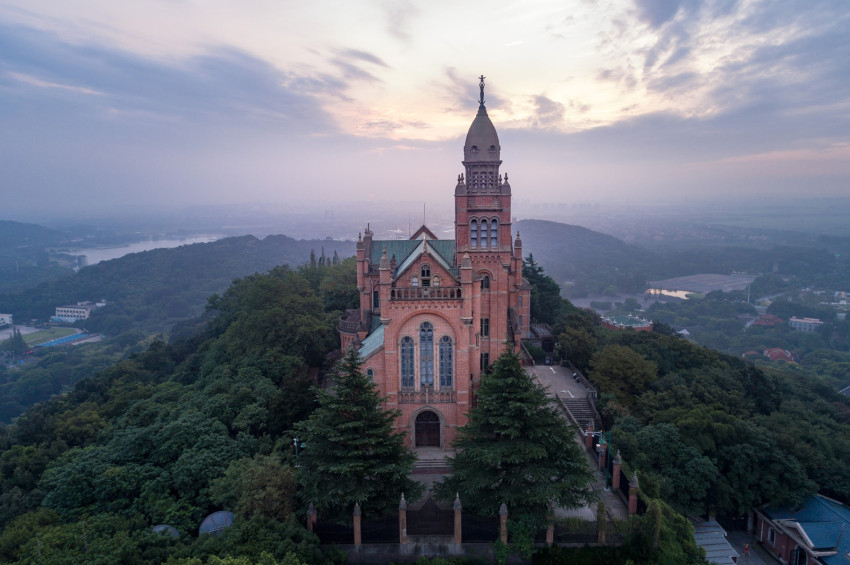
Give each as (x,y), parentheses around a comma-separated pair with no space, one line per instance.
(49,334)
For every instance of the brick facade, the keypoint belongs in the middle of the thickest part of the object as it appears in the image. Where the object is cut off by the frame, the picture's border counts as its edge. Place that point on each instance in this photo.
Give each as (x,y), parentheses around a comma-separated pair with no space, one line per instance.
(434,312)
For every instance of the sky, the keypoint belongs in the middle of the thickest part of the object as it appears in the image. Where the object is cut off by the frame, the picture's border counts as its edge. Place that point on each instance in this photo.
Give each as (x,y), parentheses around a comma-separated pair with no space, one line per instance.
(140,106)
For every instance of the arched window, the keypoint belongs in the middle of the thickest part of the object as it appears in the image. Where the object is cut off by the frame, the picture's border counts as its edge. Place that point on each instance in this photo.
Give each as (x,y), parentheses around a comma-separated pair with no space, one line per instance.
(473,233)
(414,281)
(426,354)
(370,374)
(425,271)
(494,233)
(435,281)
(376,300)
(483,233)
(407,362)
(445,362)
(485,282)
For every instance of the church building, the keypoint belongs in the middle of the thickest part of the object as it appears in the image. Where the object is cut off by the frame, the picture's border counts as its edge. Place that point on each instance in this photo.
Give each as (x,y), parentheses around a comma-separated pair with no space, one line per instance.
(434,313)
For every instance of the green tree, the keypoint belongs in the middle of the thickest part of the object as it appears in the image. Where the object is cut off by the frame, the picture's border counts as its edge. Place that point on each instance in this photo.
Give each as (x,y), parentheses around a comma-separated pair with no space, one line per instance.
(578,345)
(352,454)
(623,372)
(516,449)
(546,301)
(261,485)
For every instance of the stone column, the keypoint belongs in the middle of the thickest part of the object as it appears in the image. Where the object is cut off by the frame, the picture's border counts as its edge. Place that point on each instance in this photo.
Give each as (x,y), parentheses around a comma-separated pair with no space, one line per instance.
(458,520)
(402,520)
(601,523)
(311,517)
(503,523)
(603,460)
(615,479)
(634,489)
(358,540)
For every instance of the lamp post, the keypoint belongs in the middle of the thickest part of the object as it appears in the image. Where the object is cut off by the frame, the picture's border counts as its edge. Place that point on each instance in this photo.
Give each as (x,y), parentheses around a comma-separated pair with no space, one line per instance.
(295,443)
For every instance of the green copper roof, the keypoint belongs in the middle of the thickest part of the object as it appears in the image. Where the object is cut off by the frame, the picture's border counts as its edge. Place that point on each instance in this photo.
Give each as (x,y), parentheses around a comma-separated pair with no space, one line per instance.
(403,249)
(372,343)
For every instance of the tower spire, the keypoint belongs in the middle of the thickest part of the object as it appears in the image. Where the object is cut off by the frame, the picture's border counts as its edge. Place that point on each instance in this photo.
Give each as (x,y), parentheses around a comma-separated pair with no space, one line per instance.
(481,86)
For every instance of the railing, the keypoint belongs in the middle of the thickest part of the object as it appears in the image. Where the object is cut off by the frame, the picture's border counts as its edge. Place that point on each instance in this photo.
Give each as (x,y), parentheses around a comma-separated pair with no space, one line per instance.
(426,396)
(348,327)
(426,293)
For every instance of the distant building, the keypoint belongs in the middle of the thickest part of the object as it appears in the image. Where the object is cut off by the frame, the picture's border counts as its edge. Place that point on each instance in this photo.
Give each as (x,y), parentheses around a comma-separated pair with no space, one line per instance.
(6,320)
(627,322)
(805,324)
(779,354)
(845,391)
(78,311)
(815,533)
(768,320)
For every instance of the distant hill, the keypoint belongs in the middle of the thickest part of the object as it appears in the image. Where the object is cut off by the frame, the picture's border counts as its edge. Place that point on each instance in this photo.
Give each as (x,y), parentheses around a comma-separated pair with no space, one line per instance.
(593,262)
(154,289)
(17,234)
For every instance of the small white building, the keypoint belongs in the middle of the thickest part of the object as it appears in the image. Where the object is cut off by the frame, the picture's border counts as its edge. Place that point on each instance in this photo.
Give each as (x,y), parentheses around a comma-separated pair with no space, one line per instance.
(5,320)
(805,324)
(79,311)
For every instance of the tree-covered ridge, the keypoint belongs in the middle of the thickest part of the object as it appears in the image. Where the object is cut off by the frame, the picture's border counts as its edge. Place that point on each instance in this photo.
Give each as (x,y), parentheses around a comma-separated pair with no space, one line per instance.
(154,289)
(172,434)
(154,292)
(706,431)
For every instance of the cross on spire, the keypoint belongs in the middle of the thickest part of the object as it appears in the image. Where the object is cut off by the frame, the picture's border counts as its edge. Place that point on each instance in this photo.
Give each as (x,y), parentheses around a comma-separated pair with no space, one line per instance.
(481,85)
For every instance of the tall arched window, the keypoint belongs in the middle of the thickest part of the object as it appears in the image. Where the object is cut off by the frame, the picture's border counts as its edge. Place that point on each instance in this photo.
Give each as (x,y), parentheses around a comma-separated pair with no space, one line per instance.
(445,362)
(407,362)
(494,233)
(376,300)
(370,374)
(426,354)
(473,233)
(425,271)
(483,233)
(414,281)
(485,282)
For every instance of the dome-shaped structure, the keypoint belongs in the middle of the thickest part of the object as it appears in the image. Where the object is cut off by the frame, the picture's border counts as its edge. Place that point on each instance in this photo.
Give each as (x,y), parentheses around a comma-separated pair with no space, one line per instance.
(166,530)
(216,523)
(482,141)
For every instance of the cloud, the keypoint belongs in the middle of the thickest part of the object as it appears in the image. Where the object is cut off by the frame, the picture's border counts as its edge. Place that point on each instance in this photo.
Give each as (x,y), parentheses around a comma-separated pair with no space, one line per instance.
(657,12)
(547,112)
(399,14)
(222,84)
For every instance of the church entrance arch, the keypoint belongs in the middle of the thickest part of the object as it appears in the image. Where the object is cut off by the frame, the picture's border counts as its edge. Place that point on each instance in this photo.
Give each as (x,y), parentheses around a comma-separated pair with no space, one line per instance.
(427,429)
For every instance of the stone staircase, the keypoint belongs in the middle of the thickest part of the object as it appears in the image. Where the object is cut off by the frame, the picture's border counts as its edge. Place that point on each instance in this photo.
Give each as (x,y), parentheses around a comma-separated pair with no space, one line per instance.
(431,461)
(581,411)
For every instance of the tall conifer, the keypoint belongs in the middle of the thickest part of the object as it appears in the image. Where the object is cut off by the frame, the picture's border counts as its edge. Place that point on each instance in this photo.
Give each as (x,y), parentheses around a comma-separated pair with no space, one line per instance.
(352,455)
(516,449)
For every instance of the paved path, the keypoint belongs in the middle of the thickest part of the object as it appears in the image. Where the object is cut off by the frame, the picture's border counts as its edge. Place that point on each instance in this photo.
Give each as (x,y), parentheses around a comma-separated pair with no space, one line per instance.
(559,382)
(758,555)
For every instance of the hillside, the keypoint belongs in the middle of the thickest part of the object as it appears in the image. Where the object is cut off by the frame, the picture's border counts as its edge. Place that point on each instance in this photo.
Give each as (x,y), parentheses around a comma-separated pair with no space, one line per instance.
(593,261)
(154,289)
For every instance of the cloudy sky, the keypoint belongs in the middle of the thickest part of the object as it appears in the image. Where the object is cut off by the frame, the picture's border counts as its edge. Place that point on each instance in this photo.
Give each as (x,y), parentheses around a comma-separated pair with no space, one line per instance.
(144,105)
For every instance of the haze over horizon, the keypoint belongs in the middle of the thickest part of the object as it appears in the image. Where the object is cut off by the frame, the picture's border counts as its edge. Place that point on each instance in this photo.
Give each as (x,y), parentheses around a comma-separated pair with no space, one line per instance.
(118,108)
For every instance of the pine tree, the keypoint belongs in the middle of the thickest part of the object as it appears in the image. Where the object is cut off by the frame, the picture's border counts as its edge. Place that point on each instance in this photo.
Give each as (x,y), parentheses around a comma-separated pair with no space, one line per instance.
(352,454)
(516,449)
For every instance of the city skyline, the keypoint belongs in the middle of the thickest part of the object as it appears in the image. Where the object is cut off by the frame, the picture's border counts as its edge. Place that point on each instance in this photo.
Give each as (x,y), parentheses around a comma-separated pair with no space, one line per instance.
(116,108)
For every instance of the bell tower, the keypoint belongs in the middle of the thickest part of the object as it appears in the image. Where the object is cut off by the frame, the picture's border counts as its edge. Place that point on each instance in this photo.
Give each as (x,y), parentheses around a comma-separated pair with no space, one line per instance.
(482,195)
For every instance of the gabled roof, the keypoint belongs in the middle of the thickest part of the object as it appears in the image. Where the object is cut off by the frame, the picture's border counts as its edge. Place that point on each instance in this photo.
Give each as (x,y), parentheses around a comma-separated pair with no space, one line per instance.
(823,521)
(402,249)
(423,231)
(424,245)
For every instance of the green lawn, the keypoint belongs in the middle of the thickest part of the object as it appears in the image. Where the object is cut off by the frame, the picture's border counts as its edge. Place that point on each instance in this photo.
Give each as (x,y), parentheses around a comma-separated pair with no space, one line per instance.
(49,334)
